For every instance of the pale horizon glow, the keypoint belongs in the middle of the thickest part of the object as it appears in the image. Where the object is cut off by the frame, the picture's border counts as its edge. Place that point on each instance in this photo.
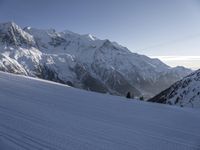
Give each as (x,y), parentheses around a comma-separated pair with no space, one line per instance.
(186,61)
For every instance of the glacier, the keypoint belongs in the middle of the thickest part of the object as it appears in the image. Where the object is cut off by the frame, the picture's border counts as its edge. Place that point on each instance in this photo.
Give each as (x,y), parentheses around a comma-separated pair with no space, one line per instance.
(83,61)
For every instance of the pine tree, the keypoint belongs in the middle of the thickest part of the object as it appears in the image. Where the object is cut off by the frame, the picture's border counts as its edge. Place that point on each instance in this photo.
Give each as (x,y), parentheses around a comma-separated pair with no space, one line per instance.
(128,95)
(141,98)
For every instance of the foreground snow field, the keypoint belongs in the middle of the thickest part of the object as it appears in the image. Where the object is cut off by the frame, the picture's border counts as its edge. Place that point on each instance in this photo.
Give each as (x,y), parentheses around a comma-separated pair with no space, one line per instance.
(41,115)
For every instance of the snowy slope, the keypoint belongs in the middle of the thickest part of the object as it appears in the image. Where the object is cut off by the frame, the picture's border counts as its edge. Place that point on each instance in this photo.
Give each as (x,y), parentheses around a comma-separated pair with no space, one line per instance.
(38,114)
(184,93)
(82,61)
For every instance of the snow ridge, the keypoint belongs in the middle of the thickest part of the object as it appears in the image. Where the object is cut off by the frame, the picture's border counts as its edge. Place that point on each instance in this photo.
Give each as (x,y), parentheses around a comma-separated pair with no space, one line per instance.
(82,61)
(184,93)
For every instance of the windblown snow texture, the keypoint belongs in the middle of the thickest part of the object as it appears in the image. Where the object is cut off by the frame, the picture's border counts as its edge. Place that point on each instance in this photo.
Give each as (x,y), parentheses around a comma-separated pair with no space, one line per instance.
(44,115)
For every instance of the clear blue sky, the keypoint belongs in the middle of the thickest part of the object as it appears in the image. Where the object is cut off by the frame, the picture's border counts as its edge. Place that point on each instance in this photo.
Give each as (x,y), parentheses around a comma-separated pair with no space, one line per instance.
(150,27)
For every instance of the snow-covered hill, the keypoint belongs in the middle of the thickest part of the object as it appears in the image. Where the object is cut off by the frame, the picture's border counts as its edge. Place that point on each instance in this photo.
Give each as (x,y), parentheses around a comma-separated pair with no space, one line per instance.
(184,93)
(82,61)
(42,115)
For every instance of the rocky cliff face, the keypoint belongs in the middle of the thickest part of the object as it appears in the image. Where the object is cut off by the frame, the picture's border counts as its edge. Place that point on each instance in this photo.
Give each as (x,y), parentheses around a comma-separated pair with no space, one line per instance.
(82,61)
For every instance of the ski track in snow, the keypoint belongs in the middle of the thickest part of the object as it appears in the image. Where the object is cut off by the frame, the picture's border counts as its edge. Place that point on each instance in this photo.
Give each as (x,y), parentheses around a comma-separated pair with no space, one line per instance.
(42,115)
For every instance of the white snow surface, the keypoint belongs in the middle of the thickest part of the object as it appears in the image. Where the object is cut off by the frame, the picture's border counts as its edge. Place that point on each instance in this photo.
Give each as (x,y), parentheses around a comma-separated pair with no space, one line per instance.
(32,51)
(184,93)
(188,93)
(43,115)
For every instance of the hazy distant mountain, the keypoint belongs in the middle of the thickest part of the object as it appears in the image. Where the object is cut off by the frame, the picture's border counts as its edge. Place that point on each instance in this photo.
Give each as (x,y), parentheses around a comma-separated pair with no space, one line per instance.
(82,61)
(184,93)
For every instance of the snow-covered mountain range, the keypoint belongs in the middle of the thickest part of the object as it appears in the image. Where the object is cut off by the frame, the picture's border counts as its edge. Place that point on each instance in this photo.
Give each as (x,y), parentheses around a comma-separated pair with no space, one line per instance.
(185,93)
(82,61)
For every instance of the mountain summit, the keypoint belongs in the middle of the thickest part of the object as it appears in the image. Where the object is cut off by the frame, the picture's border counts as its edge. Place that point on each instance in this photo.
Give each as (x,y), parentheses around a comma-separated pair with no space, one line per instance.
(83,61)
(12,35)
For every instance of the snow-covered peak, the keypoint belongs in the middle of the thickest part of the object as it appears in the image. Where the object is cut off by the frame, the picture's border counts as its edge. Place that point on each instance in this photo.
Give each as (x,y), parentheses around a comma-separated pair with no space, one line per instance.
(69,32)
(47,39)
(27,28)
(109,66)
(118,45)
(12,34)
(40,32)
(8,25)
(90,37)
